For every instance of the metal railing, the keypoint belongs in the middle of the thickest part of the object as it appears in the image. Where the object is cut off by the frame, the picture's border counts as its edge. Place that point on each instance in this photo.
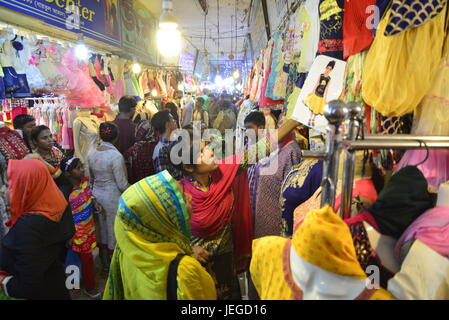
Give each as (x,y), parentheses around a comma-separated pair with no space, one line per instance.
(337,113)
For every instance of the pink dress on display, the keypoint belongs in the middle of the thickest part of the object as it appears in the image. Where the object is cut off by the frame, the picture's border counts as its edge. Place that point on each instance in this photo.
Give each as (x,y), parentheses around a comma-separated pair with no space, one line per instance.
(83,90)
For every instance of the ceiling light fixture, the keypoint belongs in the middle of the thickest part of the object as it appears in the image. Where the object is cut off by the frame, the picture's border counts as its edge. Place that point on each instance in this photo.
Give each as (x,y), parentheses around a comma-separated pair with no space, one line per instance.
(168,35)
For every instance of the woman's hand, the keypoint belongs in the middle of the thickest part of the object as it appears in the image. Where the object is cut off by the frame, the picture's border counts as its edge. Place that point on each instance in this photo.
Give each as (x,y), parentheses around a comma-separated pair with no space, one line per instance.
(98,208)
(201,255)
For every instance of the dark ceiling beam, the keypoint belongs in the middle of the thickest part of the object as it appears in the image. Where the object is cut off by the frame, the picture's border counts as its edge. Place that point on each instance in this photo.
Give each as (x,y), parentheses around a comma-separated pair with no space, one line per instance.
(266,18)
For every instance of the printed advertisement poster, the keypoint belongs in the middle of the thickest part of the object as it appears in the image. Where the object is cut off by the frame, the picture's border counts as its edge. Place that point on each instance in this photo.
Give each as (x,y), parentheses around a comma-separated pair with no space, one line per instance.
(139,29)
(96,19)
(323,84)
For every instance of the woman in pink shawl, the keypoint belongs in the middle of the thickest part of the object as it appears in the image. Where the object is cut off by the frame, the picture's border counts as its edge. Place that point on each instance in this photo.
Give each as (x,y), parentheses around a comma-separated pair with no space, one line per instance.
(221,218)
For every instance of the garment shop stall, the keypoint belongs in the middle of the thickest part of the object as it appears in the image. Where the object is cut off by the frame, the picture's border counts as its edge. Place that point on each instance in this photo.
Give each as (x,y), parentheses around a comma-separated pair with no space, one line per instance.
(353,139)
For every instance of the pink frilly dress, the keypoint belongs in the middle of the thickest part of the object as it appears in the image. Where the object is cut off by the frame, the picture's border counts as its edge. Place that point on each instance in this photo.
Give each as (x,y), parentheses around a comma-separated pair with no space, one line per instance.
(82,89)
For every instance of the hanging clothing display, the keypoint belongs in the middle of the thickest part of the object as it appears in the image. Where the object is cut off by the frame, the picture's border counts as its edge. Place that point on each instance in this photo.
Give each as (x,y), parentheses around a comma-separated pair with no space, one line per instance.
(409,14)
(310,21)
(431,118)
(415,53)
(12,145)
(331,28)
(299,185)
(356,35)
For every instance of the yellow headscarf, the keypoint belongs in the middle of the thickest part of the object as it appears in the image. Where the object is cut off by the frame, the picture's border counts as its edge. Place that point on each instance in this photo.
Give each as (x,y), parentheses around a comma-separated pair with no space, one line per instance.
(325,241)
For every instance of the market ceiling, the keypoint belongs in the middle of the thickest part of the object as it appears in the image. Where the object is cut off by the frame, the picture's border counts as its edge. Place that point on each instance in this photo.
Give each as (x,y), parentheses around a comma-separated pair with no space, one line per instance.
(190,15)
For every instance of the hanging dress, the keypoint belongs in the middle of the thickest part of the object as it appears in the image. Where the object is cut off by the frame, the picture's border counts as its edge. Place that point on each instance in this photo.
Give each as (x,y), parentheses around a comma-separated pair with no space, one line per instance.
(356,35)
(399,69)
(310,20)
(432,118)
(29,60)
(82,90)
(55,81)
(331,28)
(10,79)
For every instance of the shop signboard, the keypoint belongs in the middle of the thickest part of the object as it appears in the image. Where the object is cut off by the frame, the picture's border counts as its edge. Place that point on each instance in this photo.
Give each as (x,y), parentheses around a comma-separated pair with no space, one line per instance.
(139,28)
(96,19)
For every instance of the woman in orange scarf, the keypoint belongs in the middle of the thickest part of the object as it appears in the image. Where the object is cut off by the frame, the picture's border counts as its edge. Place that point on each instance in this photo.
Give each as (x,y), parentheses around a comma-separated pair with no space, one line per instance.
(31,254)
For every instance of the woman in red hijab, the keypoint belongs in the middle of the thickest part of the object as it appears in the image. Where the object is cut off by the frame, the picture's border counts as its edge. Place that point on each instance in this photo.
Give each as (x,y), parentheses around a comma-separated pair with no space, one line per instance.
(32,260)
(221,217)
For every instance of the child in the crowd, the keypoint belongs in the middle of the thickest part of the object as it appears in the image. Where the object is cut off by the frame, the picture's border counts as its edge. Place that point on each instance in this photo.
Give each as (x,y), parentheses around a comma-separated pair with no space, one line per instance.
(83,206)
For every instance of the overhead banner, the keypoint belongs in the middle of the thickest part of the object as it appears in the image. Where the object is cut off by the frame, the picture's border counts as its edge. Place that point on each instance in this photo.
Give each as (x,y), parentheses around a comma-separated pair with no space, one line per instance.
(139,31)
(96,19)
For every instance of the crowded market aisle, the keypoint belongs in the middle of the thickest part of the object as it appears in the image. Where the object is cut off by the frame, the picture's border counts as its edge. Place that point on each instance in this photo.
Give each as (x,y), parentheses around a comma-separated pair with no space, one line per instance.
(125,178)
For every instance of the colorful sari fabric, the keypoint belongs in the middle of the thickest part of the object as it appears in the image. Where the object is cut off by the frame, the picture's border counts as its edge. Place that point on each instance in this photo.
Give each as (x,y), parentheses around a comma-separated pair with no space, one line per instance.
(138,158)
(12,146)
(81,203)
(225,204)
(152,228)
(55,157)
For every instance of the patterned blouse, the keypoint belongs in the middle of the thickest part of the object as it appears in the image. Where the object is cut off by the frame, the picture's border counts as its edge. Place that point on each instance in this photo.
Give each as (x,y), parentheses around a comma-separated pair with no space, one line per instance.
(300,184)
(81,203)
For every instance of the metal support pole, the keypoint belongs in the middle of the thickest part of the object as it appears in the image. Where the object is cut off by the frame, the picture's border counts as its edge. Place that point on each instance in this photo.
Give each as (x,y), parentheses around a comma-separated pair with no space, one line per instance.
(405,137)
(355,112)
(313,155)
(266,19)
(335,112)
(395,144)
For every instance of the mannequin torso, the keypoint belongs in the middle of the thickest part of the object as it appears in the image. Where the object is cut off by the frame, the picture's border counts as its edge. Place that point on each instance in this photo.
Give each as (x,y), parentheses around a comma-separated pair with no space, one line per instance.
(85,133)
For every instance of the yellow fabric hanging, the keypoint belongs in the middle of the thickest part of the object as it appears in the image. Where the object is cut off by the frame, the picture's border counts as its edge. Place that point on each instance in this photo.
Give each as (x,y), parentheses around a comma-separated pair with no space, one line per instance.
(399,69)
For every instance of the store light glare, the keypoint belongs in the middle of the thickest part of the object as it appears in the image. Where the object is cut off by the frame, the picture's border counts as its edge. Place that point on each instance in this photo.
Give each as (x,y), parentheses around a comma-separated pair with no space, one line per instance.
(181,87)
(137,68)
(219,80)
(236,74)
(169,40)
(154,93)
(81,51)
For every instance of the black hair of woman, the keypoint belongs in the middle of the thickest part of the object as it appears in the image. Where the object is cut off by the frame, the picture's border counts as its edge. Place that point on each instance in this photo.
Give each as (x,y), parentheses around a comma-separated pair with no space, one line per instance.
(37,131)
(108,132)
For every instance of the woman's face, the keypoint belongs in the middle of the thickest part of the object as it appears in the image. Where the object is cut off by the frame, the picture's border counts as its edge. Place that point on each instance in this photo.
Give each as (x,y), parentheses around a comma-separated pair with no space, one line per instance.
(187,198)
(206,162)
(328,70)
(44,140)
